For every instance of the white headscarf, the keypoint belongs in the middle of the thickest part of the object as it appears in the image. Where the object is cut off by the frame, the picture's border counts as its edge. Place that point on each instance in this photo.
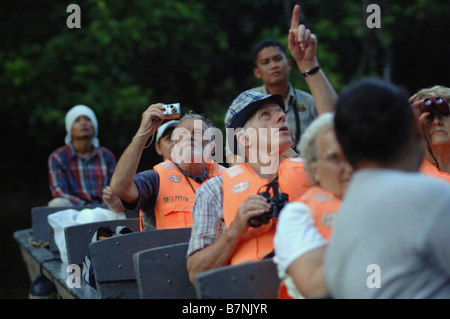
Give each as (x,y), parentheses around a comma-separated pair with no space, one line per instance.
(74,113)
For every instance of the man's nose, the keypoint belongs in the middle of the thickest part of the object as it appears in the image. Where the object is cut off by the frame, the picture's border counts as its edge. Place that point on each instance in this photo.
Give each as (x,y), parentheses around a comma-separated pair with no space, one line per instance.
(280,117)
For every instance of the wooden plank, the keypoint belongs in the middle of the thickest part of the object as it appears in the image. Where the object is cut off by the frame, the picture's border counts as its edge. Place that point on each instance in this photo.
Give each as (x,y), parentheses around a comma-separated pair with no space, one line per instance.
(252,280)
(32,255)
(40,260)
(161,273)
(57,272)
(112,258)
(41,228)
(79,237)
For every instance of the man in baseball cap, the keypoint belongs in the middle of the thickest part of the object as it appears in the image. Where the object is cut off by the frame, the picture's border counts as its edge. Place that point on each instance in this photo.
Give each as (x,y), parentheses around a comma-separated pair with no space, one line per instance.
(164,143)
(165,194)
(233,221)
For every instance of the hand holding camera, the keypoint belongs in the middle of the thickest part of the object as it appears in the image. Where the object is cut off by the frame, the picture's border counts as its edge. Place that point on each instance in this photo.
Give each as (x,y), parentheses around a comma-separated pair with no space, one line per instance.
(154,116)
(171,111)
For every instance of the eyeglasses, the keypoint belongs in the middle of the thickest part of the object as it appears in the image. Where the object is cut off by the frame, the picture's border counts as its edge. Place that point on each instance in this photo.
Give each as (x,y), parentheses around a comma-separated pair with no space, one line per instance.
(334,159)
(435,102)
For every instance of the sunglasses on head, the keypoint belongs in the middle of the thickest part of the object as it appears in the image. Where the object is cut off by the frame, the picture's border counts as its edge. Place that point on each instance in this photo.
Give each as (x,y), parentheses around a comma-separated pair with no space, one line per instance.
(435,102)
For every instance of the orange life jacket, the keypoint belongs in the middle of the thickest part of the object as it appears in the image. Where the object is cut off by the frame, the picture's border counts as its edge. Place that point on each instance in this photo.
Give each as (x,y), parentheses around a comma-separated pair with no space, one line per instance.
(241,181)
(173,207)
(299,181)
(324,206)
(431,170)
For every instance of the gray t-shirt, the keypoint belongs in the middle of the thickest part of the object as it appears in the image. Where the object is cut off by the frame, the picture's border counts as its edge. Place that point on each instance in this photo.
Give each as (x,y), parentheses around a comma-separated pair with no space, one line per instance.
(391,238)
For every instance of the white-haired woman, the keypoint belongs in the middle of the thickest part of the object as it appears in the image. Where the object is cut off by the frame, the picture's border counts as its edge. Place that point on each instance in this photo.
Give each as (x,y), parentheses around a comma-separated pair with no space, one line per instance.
(305,225)
(432,106)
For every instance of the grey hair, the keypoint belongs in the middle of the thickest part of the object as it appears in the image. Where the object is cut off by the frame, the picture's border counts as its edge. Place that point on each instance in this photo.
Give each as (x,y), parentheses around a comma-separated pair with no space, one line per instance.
(192,115)
(308,145)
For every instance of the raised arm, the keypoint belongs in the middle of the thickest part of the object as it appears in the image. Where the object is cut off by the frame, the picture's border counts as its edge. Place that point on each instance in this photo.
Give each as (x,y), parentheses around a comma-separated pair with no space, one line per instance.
(302,45)
(122,180)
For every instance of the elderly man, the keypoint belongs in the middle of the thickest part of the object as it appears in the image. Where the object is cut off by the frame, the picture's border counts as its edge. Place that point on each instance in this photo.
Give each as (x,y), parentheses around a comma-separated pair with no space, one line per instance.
(80,171)
(169,188)
(226,205)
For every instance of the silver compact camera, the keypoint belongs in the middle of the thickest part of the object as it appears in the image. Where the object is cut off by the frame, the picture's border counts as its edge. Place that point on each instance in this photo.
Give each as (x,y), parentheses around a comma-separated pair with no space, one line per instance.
(172,111)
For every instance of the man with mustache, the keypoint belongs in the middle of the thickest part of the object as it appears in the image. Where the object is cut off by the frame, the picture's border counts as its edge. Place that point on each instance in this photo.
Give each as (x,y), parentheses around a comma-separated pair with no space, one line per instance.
(167,191)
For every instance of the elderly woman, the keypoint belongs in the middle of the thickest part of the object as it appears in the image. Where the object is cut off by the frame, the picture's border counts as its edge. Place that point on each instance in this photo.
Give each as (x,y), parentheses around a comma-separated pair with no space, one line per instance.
(432,107)
(304,226)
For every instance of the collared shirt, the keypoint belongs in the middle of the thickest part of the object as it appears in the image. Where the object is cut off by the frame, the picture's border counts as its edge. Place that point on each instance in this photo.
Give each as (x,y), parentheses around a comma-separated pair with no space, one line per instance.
(208,215)
(299,101)
(80,180)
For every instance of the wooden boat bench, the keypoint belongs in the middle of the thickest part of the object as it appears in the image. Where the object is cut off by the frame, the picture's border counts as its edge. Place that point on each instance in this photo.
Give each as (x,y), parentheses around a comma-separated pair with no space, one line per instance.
(41,257)
(251,280)
(112,259)
(78,237)
(161,273)
(42,231)
(41,260)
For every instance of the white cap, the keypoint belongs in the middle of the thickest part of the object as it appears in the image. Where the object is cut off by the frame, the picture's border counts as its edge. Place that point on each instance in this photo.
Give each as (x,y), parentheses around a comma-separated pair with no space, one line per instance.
(164,127)
(74,113)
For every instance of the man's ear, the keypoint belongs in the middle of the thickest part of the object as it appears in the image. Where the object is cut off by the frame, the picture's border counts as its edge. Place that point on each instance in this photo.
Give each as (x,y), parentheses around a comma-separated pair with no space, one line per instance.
(242,138)
(256,73)
(158,149)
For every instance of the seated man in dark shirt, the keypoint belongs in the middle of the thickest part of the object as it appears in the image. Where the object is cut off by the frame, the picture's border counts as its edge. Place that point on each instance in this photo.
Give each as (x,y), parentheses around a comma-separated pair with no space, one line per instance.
(168,190)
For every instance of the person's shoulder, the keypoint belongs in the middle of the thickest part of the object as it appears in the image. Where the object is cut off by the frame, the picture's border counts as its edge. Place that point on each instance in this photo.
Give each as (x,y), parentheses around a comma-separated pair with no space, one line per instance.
(65,149)
(105,150)
(148,174)
(303,95)
(212,185)
(259,89)
(435,183)
(295,209)
(214,180)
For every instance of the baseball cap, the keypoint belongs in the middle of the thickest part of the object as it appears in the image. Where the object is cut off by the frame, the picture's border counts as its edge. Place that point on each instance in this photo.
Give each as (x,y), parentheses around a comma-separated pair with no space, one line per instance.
(246,104)
(162,129)
(243,107)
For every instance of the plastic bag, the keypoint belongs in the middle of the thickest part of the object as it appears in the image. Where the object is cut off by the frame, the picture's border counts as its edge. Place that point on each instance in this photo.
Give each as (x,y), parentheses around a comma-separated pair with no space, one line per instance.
(70,217)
